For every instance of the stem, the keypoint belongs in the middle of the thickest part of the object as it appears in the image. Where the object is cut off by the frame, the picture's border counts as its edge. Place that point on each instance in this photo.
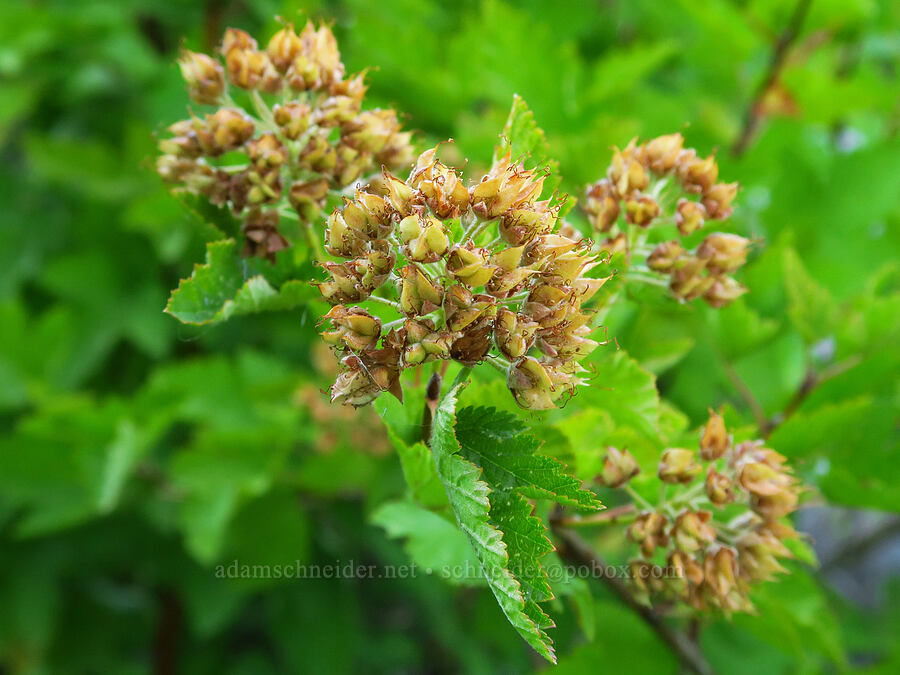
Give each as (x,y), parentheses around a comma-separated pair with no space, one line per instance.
(462,375)
(640,278)
(312,238)
(479,228)
(389,303)
(574,549)
(685,498)
(263,111)
(858,546)
(637,498)
(393,324)
(500,364)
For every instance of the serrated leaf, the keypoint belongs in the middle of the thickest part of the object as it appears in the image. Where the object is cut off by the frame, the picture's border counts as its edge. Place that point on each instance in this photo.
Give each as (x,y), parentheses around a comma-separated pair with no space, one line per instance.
(498,443)
(469,500)
(526,141)
(526,543)
(218,290)
(218,221)
(431,541)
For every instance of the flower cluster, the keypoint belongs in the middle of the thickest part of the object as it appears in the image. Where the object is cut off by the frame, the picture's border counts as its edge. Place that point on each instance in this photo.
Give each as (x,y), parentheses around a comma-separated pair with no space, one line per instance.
(302,134)
(477,274)
(723,531)
(661,182)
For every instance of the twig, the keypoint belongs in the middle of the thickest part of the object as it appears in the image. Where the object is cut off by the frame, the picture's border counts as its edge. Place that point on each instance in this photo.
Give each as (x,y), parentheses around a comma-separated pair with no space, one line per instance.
(754,113)
(859,546)
(576,550)
(389,303)
(168,629)
(601,518)
(810,382)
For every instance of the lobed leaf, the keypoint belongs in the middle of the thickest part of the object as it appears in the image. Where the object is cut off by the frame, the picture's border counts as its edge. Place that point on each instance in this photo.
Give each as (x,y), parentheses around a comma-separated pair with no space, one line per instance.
(222,288)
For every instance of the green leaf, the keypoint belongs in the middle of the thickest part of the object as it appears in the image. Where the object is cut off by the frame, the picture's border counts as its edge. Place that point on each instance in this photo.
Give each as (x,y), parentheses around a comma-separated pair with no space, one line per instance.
(498,443)
(622,388)
(526,543)
(810,305)
(850,450)
(469,501)
(433,542)
(526,141)
(403,423)
(218,290)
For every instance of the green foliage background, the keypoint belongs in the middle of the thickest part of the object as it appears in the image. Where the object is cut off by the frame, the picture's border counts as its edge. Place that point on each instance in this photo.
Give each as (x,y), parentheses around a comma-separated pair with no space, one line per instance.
(138,454)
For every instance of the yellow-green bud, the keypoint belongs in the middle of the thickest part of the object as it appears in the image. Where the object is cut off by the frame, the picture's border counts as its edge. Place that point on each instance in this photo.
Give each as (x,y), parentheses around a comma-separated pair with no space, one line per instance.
(513,333)
(418,294)
(354,328)
(697,175)
(649,531)
(531,385)
(470,265)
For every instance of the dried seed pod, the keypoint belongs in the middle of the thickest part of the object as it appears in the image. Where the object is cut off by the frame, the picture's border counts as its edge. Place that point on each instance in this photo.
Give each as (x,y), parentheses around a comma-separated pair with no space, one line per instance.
(718,487)
(677,465)
(354,328)
(689,216)
(291,140)
(618,468)
(715,440)
(664,256)
(204,76)
(723,253)
(601,205)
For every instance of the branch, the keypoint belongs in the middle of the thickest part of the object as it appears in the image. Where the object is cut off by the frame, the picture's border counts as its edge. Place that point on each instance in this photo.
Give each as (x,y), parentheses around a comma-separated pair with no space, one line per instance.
(575,549)
(859,546)
(810,382)
(601,518)
(754,114)
(168,628)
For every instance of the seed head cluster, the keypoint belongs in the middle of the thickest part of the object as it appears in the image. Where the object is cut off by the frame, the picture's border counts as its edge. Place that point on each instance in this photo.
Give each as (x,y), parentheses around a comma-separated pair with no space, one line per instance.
(722,532)
(301,132)
(476,273)
(661,182)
